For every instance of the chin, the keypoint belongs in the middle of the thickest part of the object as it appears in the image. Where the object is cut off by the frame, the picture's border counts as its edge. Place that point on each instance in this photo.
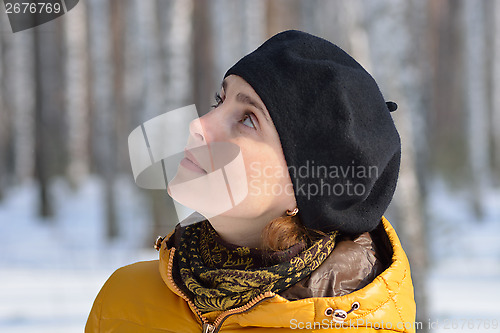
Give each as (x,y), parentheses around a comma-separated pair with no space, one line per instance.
(214,193)
(208,195)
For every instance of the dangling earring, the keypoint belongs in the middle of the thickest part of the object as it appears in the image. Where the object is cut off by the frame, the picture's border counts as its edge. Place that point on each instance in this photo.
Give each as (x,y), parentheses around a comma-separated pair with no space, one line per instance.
(292,212)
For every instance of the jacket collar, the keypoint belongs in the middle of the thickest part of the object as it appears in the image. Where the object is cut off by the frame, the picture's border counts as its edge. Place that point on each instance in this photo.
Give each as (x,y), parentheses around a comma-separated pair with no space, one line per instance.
(387,299)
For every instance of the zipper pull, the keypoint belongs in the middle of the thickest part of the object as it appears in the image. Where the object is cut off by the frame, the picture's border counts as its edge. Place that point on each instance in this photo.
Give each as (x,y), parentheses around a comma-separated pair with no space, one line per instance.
(207,328)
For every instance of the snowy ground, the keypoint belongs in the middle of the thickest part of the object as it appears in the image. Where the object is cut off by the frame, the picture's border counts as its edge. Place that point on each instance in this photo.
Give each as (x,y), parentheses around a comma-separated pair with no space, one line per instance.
(464,281)
(51,271)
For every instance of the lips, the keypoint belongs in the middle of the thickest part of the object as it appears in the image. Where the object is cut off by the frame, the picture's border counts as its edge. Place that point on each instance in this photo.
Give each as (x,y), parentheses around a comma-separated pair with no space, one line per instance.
(191,163)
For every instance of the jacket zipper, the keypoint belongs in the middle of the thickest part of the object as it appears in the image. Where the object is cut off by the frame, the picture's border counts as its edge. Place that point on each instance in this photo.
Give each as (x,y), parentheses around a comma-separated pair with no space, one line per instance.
(203,320)
(217,324)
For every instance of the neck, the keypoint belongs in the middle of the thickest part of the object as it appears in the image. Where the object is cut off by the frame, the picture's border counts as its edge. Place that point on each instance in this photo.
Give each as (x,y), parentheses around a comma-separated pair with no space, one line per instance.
(240,231)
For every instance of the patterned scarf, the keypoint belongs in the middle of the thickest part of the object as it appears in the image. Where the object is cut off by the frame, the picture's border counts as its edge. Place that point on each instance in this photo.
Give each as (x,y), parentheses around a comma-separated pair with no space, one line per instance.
(221,276)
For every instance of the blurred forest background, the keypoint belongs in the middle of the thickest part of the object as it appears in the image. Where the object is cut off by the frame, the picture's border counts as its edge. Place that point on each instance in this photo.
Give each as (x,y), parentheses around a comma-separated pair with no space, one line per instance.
(74,88)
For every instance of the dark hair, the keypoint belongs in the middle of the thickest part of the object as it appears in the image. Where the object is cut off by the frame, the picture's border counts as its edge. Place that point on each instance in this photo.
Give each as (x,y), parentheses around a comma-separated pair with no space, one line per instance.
(286,231)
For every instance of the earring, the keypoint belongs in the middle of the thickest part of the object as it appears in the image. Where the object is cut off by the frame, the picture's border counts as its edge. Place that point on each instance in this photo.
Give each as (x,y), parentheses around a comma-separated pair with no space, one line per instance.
(292,212)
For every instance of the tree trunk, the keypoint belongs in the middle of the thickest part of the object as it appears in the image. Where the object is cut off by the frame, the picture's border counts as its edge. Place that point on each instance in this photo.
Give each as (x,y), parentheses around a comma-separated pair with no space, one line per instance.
(495,123)
(254,27)
(76,95)
(47,110)
(122,112)
(20,98)
(446,123)
(104,144)
(177,45)
(5,122)
(357,37)
(475,101)
(396,71)
(282,14)
(236,34)
(147,16)
(203,77)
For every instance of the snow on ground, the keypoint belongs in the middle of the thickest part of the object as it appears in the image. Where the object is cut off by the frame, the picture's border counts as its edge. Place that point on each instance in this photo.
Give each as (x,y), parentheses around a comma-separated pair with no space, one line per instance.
(51,271)
(464,278)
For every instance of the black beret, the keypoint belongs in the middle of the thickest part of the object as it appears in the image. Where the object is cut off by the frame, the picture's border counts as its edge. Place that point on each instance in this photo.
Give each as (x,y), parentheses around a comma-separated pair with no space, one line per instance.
(338,137)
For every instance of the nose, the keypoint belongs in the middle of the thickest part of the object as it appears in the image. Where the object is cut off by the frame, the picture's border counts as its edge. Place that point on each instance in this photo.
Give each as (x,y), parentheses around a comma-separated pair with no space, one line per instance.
(208,128)
(196,131)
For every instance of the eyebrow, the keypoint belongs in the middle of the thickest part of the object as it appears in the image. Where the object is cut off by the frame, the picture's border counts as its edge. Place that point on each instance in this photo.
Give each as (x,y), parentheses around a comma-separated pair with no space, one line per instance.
(245,99)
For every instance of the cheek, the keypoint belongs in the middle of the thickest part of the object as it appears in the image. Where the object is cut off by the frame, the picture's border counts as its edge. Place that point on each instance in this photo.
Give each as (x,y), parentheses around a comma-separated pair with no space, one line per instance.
(264,167)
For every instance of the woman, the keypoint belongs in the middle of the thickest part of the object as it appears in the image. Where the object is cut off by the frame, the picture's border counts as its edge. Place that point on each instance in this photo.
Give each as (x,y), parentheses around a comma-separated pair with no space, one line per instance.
(304,244)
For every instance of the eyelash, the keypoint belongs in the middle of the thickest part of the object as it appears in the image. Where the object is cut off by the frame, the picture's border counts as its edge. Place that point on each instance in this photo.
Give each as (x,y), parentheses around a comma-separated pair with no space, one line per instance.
(219,101)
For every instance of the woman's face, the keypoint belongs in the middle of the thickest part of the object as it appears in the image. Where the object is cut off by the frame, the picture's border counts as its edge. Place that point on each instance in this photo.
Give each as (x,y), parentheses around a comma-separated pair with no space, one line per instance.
(238,137)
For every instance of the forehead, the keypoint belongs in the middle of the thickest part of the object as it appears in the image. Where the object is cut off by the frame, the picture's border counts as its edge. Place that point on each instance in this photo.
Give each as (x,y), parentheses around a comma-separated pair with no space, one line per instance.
(237,82)
(244,93)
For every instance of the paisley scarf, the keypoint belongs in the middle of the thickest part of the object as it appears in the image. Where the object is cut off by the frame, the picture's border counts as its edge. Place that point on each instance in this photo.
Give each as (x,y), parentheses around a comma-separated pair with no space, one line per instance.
(220,276)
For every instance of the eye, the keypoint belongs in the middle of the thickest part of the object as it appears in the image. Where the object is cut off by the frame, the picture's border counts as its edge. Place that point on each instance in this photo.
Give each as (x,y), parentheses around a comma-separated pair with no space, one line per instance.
(247,121)
(218,100)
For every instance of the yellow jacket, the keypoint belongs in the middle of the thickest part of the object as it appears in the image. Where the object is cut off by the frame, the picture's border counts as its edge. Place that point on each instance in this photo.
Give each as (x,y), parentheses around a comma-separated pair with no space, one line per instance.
(142,298)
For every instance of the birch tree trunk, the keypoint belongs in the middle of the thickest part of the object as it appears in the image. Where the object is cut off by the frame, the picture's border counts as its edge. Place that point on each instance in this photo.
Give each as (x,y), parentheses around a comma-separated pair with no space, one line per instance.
(153,89)
(177,50)
(20,98)
(282,15)
(76,95)
(311,17)
(357,37)
(5,120)
(495,128)
(122,109)
(133,84)
(446,84)
(203,77)
(175,24)
(147,15)
(475,101)
(223,45)
(48,73)
(237,33)
(103,108)
(397,74)
(254,32)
